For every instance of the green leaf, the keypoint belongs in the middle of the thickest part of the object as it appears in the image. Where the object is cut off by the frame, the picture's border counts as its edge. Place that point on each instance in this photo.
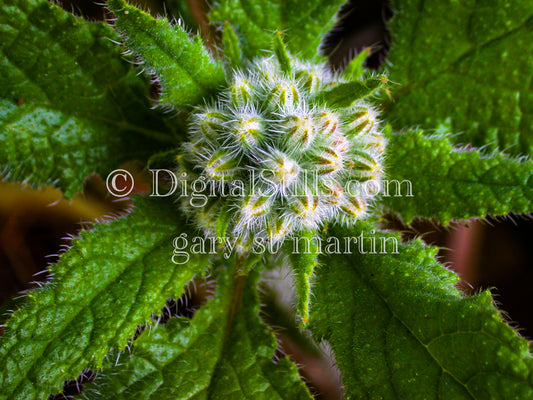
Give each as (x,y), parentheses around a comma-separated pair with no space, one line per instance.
(466,65)
(103,287)
(304,23)
(65,88)
(345,94)
(401,330)
(450,183)
(355,67)
(41,144)
(187,71)
(216,355)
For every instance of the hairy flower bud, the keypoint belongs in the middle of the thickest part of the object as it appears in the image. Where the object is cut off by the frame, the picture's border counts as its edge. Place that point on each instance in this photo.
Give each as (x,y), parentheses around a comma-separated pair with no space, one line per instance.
(248,131)
(281,156)
(361,119)
(241,91)
(278,227)
(364,165)
(254,210)
(307,210)
(328,123)
(328,161)
(221,165)
(281,169)
(283,94)
(300,132)
(352,208)
(210,123)
(312,76)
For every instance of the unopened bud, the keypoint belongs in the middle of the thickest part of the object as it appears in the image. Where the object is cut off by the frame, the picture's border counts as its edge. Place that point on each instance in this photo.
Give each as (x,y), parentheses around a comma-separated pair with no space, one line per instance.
(333,193)
(278,228)
(253,211)
(340,143)
(241,91)
(375,142)
(283,94)
(310,80)
(211,124)
(328,122)
(281,169)
(283,142)
(222,166)
(248,131)
(361,120)
(364,165)
(328,161)
(300,132)
(307,209)
(354,207)
(256,205)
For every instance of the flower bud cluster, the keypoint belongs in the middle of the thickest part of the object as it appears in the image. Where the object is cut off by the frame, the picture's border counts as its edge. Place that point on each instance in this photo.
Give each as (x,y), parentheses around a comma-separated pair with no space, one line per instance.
(276,158)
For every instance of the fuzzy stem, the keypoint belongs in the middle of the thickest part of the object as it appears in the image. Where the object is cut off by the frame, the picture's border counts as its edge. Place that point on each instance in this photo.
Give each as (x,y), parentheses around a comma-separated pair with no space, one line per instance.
(240,276)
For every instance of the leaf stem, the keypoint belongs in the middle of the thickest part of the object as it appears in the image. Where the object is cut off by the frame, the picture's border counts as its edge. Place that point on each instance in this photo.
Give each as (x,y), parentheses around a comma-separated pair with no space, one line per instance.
(240,276)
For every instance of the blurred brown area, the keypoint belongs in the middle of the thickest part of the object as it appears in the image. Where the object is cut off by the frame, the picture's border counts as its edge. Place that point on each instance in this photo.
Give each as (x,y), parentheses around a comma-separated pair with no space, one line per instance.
(491,253)
(33,224)
(36,224)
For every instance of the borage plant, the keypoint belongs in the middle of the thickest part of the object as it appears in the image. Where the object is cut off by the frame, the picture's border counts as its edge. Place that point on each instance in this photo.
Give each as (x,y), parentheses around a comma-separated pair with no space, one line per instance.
(275,160)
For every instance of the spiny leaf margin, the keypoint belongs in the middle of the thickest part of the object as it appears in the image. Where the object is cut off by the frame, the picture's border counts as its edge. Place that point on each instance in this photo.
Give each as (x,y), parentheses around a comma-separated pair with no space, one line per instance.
(449,183)
(110,281)
(216,355)
(187,71)
(401,329)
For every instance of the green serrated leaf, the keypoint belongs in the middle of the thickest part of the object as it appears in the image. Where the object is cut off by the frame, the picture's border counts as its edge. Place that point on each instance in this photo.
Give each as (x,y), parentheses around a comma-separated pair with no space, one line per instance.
(63,83)
(450,183)
(103,287)
(466,65)
(216,355)
(401,330)
(303,23)
(187,71)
